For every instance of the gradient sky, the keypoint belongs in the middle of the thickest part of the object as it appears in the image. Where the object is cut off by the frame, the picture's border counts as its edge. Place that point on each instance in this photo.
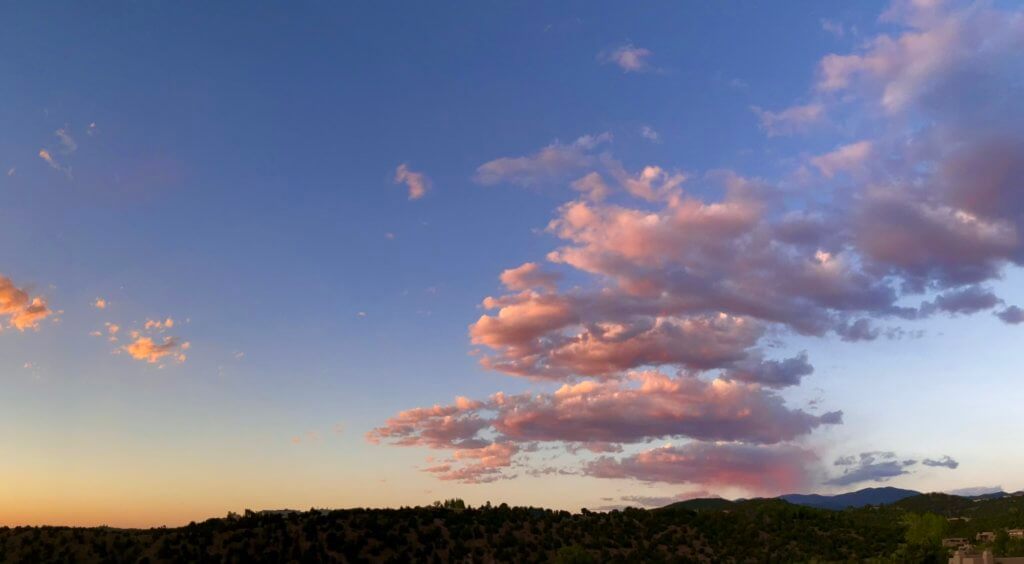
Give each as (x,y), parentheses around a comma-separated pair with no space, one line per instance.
(564,254)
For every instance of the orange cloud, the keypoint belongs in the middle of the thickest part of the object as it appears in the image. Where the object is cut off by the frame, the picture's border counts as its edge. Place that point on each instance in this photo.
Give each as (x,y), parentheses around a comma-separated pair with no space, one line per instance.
(145,348)
(22,311)
(159,325)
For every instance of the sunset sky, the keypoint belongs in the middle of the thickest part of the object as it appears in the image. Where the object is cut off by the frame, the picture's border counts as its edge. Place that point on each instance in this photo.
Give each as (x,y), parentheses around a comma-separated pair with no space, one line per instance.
(566,254)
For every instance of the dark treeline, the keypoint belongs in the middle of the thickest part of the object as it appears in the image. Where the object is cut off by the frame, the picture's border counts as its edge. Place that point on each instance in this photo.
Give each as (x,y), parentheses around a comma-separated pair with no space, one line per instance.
(449,531)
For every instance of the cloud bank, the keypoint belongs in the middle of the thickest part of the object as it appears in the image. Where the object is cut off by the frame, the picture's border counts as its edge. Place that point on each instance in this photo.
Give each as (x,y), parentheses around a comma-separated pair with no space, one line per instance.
(683,281)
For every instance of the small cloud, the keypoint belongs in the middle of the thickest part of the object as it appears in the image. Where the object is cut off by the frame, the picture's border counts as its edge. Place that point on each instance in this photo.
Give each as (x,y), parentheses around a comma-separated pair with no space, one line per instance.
(647,132)
(738,84)
(945,462)
(552,164)
(966,301)
(21,309)
(239,355)
(837,29)
(146,345)
(156,324)
(33,369)
(1013,315)
(795,119)
(99,303)
(879,466)
(417,182)
(145,348)
(360,314)
(46,156)
(628,57)
(11,171)
(389,236)
(91,130)
(870,467)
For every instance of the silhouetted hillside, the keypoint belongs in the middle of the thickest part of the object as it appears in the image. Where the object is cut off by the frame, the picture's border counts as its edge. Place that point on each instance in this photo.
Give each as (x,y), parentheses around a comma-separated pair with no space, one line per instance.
(701,504)
(708,530)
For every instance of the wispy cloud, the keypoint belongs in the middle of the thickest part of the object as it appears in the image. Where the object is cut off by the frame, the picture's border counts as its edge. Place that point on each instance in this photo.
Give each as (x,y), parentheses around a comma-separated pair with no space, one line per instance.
(795,119)
(848,158)
(554,163)
(66,146)
(837,29)
(67,142)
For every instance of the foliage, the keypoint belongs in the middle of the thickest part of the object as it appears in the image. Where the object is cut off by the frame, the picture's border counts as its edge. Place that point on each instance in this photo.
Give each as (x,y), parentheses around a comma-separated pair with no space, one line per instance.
(761,530)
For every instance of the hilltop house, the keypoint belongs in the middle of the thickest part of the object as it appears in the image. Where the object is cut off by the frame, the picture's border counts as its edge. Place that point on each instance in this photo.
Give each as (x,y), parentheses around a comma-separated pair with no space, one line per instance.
(986,536)
(1016,533)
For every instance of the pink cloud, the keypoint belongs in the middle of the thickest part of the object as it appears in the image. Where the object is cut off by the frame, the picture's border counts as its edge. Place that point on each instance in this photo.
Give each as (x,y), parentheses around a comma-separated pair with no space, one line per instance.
(848,158)
(699,275)
(477,465)
(451,426)
(651,405)
(646,406)
(417,182)
(763,470)
(593,186)
(527,276)
(925,59)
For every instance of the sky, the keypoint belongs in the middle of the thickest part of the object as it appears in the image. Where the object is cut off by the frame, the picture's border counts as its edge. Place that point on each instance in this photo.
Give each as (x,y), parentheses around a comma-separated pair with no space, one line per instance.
(567,254)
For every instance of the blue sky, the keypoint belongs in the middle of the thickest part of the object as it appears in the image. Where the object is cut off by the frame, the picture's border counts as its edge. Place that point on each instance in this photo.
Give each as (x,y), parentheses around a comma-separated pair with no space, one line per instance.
(232,168)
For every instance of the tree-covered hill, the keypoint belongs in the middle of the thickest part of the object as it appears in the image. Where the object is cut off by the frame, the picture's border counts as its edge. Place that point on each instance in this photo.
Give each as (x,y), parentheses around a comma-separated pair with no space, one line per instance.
(761,530)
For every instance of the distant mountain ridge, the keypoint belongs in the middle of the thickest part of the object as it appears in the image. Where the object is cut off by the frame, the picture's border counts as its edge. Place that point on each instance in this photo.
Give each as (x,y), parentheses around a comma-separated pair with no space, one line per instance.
(909,499)
(859,498)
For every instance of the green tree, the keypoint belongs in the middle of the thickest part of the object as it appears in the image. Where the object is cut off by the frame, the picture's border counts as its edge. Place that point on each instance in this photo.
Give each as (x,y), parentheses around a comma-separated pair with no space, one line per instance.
(1002,540)
(924,529)
(573,554)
